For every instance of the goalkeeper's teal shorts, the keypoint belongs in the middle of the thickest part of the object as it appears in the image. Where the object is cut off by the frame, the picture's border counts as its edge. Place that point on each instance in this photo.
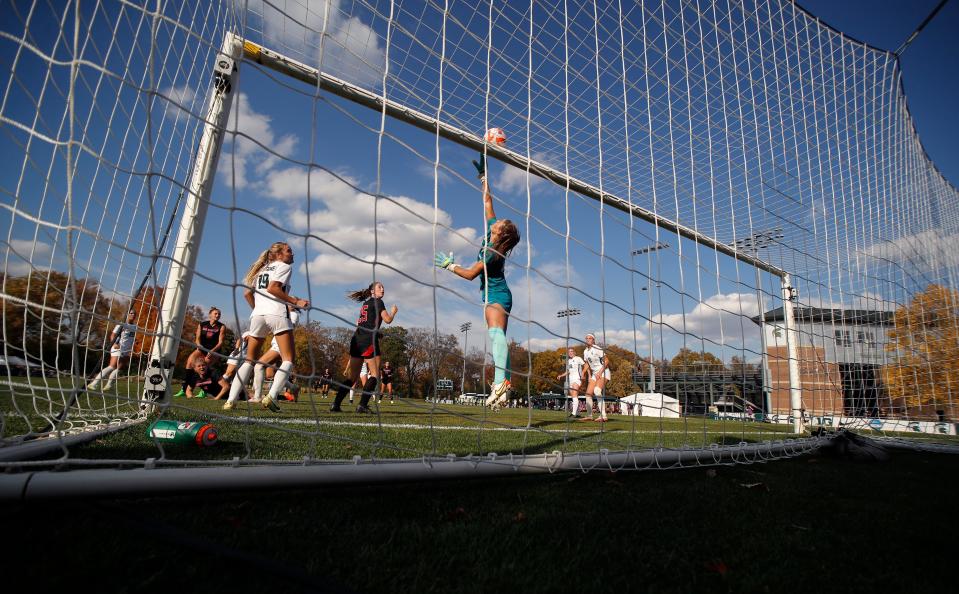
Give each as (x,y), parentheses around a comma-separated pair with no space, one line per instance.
(499,294)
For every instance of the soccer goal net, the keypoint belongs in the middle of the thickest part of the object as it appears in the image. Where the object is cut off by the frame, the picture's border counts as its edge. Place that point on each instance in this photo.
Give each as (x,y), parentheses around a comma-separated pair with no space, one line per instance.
(617,235)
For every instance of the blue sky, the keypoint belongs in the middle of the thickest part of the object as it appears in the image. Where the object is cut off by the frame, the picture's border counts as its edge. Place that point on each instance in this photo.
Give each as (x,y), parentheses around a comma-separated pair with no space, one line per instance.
(724,159)
(930,64)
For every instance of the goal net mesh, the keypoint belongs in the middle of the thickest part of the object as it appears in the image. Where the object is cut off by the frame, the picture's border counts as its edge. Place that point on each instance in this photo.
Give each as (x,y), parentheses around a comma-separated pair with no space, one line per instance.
(730,196)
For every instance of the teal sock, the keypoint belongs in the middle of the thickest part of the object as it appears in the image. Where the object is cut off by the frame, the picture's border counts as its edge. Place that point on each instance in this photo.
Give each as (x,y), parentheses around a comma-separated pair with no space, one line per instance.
(508,359)
(500,353)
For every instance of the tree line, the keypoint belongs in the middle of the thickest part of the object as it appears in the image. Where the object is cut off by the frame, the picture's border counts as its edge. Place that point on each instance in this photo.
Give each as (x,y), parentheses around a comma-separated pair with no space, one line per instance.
(64,324)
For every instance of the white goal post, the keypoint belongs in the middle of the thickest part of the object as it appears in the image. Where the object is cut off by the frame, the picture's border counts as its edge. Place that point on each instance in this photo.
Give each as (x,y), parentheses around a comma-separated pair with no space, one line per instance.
(191,226)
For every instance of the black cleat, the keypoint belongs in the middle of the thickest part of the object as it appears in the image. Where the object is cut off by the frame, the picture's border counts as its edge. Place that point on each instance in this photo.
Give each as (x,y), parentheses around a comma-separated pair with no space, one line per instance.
(363,410)
(335,408)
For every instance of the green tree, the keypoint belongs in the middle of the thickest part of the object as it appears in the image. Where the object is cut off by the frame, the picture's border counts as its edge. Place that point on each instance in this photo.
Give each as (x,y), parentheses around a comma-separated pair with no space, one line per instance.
(546,366)
(394,346)
(691,362)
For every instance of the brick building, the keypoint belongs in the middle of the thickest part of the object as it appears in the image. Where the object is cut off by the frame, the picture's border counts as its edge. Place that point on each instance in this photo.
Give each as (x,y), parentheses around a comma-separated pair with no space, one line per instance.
(841,353)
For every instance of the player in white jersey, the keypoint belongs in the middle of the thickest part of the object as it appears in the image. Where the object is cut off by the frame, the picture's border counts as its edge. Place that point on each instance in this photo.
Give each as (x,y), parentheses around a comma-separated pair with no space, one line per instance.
(268,293)
(237,356)
(598,365)
(121,347)
(574,377)
(265,367)
(364,375)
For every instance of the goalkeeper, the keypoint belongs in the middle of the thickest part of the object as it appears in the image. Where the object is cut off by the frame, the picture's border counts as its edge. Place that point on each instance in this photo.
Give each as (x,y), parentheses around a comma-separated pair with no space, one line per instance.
(490,265)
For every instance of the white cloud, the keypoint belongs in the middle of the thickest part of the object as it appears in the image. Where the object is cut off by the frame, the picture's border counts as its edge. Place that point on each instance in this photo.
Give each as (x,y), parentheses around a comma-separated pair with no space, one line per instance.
(182,95)
(513,179)
(351,49)
(23,255)
(722,318)
(928,250)
(242,159)
(342,215)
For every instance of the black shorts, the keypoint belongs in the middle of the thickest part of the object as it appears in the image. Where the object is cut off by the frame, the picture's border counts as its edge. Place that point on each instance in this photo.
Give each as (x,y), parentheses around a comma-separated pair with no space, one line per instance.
(387,381)
(364,346)
(324,383)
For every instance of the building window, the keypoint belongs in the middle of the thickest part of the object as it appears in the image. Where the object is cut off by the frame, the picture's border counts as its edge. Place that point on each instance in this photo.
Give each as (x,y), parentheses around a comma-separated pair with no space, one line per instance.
(843,338)
(861,337)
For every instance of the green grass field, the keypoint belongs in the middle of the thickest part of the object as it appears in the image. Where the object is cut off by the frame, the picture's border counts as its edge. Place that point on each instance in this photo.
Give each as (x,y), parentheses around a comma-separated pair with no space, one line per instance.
(407,429)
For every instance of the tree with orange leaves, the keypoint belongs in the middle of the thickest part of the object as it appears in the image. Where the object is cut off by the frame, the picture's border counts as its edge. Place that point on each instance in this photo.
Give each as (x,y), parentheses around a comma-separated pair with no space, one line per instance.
(926,342)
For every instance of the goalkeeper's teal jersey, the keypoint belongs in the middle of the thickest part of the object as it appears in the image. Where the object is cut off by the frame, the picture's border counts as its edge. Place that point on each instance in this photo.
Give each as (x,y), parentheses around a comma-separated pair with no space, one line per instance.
(494,274)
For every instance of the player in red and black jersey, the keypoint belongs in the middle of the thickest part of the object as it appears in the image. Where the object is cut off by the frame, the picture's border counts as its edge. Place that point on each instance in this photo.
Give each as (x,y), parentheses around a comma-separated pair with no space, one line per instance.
(209,335)
(323,382)
(365,344)
(386,380)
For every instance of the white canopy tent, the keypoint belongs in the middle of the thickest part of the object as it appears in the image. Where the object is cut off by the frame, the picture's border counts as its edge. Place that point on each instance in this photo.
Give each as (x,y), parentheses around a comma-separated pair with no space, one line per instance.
(650,404)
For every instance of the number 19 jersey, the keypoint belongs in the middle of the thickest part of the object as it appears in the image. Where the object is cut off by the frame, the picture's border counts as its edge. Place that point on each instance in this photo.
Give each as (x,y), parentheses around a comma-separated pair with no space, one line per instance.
(264,303)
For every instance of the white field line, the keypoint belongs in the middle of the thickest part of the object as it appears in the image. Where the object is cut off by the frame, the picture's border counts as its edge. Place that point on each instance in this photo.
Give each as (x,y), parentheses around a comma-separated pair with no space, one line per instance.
(414,426)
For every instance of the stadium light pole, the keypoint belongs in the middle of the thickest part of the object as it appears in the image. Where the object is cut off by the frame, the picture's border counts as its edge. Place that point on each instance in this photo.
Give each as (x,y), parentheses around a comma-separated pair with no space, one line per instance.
(648,251)
(465,329)
(751,245)
(568,313)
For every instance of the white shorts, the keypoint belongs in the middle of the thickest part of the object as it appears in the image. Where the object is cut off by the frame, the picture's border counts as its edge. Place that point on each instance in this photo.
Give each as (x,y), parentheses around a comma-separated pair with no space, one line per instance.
(119,353)
(606,374)
(233,361)
(575,383)
(260,326)
(274,346)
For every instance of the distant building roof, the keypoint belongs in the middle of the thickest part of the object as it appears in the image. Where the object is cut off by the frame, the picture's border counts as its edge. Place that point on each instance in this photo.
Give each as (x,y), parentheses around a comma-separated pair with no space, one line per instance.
(832,316)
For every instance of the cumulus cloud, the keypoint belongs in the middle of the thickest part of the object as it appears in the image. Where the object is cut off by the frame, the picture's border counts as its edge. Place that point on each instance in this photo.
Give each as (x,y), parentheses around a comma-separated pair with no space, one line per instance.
(352,233)
(513,180)
(928,250)
(721,318)
(351,50)
(183,96)
(23,255)
(243,161)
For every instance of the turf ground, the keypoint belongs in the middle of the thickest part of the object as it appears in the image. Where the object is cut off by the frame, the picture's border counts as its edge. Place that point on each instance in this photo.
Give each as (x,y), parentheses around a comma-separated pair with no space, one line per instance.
(814,523)
(407,429)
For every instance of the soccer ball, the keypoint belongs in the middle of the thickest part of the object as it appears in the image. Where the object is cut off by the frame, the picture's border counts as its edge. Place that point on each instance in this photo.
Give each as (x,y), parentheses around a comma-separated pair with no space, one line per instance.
(496,136)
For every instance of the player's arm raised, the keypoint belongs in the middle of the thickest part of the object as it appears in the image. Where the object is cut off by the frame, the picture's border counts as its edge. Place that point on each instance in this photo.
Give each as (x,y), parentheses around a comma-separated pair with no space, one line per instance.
(446,261)
(276,289)
(389,315)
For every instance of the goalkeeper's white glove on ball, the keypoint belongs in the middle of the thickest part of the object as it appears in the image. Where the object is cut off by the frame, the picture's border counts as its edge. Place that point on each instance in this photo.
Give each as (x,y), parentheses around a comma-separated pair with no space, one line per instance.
(444,261)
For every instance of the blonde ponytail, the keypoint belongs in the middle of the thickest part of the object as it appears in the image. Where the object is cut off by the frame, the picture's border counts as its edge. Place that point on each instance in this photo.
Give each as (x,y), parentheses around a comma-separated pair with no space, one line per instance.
(265,258)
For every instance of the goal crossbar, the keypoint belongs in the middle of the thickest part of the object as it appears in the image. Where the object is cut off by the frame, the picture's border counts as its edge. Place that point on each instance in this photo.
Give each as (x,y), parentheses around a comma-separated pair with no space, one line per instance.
(282,64)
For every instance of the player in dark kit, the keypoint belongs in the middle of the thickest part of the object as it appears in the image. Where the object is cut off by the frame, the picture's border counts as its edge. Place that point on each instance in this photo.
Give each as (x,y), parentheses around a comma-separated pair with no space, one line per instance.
(204,381)
(325,380)
(365,345)
(386,380)
(209,335)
